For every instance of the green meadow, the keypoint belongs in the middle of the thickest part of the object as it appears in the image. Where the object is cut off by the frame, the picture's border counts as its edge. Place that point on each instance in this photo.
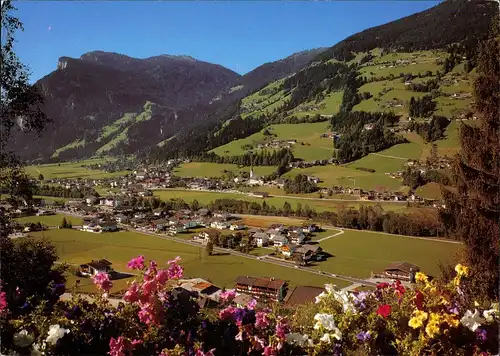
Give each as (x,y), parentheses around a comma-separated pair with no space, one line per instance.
(72,170)
(310,146)
(50,220)
(358,253)
(206,169)
(78,247)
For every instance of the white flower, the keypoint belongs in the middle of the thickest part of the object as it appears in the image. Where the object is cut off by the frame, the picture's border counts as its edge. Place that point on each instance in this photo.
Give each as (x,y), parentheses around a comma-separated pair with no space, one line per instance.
(330,288)
(55,333)
(345,299)
(337,333)
(324,320)
(35,351)
(23,339)
(490,314)
(320,297)
(297,338)
(472,320)
(325,338)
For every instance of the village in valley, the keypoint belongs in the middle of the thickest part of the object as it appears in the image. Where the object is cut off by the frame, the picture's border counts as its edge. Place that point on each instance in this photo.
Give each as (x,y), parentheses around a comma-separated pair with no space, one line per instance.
(299,246)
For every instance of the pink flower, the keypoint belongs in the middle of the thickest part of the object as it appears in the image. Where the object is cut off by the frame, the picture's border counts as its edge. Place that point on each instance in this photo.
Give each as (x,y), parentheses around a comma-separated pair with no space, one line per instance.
(384,310)
(102,281)
(136,343)
(258,343)
(149,287)
(136,262)
(269,351)
(150,314)
(228,313)
(117,346)
(175,260)
(282,328)
(251,304)
(162,277)
(132,294)
(200,352)
(3,303)
(227,296)
(261,320)
(175,271)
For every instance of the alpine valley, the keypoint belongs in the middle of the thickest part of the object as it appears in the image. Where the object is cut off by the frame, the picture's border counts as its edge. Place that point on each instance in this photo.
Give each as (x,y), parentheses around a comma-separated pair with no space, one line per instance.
(403,83)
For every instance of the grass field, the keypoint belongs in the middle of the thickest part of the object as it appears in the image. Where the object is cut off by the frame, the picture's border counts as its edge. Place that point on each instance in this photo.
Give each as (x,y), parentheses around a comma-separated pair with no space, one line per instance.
(310,146)
(72,170)
(205,169)
(350,177)
(430,190)
(77,143)
(50,220)
(330,105)
(357,253)
(80,247)
(278,202)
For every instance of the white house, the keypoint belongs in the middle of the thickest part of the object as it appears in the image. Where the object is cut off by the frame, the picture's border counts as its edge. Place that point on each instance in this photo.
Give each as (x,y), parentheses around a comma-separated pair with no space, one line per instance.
(91,227)
(261,239)
(110,201)
(235,227)
(91,200)
(121,219)
(279,240)
(221,225)
(296,238)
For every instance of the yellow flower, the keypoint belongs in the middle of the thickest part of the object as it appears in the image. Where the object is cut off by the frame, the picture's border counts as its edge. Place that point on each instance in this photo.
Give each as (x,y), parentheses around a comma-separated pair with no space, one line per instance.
(420,315)
(462,270)
(451,320)
(418,319)
(415,323)
(456,280)
(432,329)
(419,276)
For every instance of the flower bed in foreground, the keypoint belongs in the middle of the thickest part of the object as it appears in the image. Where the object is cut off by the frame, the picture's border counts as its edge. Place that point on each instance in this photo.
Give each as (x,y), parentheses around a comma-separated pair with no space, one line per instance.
(432,318)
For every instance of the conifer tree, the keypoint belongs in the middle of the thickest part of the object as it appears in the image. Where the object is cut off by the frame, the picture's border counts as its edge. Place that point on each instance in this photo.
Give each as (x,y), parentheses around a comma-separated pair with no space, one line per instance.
(472,212)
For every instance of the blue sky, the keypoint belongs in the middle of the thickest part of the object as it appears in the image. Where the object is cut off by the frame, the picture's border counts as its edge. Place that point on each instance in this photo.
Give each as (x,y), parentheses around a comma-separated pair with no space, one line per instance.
(239,35)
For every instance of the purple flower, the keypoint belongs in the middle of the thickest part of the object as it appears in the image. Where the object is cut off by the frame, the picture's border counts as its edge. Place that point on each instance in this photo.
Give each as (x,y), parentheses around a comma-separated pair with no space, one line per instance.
(363,336)
(481,334)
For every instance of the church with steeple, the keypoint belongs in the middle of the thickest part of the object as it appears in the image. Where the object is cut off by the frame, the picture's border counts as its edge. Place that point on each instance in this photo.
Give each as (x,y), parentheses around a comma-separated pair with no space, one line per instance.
(254,179)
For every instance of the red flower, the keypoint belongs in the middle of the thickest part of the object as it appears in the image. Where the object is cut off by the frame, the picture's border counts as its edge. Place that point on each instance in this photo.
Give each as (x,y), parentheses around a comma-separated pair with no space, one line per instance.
(382,285)
(384,310)
(419,299)
(400,289)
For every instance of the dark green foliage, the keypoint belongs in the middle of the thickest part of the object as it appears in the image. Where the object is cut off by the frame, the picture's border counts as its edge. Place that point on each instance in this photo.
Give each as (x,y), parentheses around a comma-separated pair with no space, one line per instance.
(29,275)
(472,211)
(422,107)
(428,86)
(61,192)
(413,178)
(307,84)
(432,130)
(65,224)
(356,142)
(299,185)
(449,22)
(371,170)
(259,158)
